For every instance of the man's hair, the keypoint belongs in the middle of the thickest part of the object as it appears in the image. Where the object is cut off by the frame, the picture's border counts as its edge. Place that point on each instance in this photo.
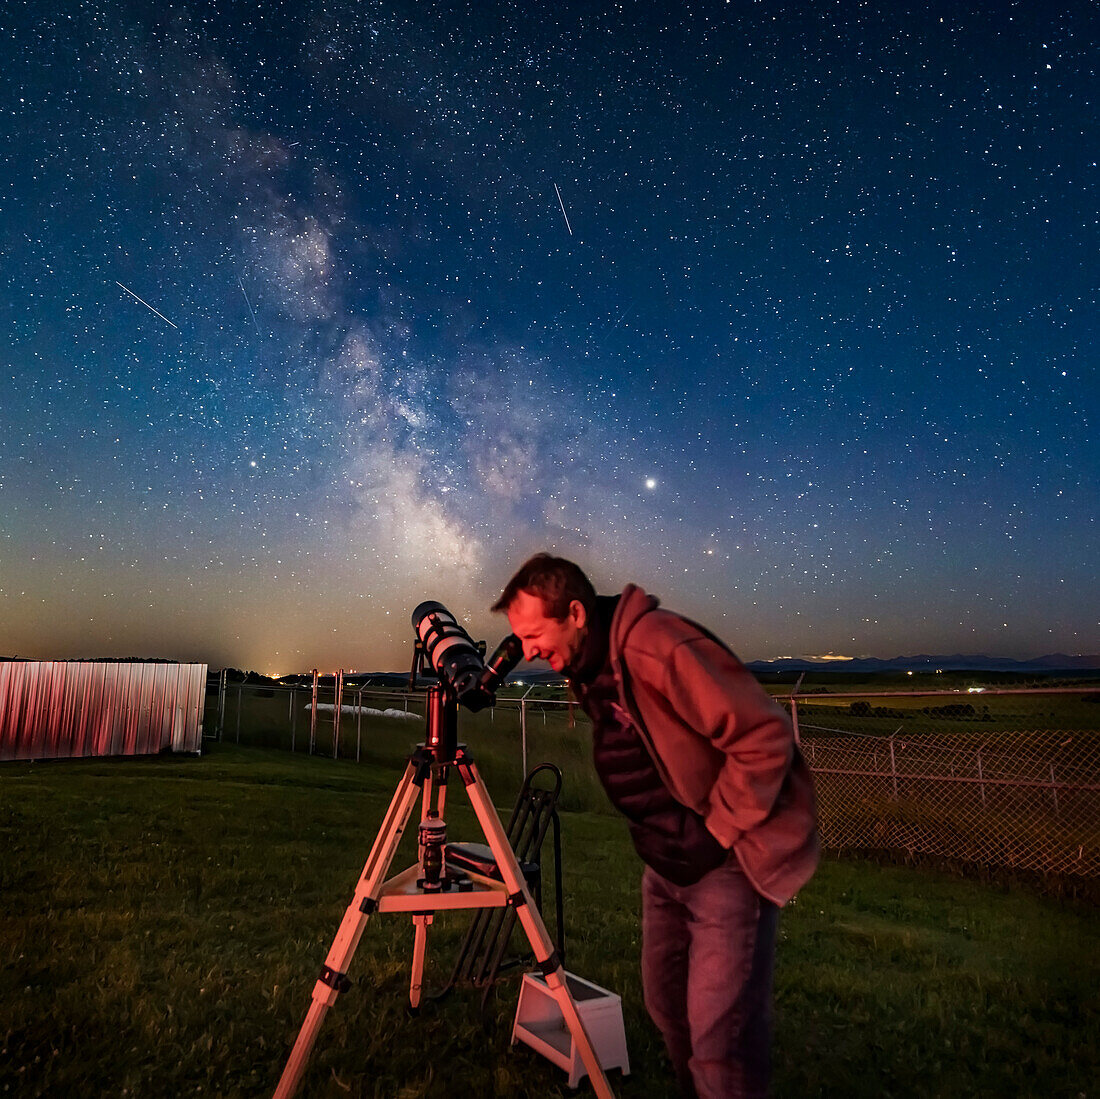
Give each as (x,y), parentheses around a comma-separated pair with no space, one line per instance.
(554,580)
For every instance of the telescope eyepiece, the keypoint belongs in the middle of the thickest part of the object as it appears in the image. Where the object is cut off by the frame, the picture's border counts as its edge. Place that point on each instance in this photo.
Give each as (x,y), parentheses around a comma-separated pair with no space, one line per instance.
(508,654)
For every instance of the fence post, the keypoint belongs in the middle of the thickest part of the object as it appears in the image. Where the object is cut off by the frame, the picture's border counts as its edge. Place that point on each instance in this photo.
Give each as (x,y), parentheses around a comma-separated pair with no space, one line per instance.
(240,693)
(221,701)
(523,733)
(313,716)
(293,716)
(358,723)
(893,767)
(338,702)
(523,725)
(794,709)
(981,777)
(1054,790)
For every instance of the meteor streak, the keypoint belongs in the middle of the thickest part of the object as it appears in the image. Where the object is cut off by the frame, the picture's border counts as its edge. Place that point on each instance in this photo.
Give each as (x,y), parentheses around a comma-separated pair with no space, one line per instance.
(147,305)
(563,213)
(249,304)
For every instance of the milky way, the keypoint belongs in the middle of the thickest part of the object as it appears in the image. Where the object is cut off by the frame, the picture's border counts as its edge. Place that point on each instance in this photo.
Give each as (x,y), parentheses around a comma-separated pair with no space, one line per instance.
(314,311)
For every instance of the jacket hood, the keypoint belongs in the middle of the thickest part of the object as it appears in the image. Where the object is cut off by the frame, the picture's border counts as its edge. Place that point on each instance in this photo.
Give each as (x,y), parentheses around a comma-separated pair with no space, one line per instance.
(633,604)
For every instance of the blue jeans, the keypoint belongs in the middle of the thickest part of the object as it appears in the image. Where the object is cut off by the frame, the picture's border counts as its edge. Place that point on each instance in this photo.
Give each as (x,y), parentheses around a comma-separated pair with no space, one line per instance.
(708,952)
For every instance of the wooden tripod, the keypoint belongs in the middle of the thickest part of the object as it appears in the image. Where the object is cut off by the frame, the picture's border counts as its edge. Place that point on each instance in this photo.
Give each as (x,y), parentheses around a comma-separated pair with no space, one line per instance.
(426,776)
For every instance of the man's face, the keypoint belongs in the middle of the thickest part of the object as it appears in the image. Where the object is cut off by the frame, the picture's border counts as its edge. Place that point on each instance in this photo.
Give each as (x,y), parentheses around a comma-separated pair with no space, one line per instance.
(550,639)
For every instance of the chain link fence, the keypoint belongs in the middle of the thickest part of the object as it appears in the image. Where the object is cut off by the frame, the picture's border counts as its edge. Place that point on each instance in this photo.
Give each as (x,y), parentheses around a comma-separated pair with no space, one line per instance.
(998,778)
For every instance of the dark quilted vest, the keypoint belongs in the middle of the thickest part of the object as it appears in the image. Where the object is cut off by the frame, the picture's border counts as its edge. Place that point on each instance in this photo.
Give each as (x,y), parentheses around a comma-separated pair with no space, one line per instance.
(668,836)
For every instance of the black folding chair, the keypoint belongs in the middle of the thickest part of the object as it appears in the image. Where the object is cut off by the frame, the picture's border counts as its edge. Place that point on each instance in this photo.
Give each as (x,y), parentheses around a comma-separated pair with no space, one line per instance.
(482,956)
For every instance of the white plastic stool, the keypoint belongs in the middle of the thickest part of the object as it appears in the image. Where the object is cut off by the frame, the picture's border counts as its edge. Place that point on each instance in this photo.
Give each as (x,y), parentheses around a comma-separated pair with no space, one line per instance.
(540,1025)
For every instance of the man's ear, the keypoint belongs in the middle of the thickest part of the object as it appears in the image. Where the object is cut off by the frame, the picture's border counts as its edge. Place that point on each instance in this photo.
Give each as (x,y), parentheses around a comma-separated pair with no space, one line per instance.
(578,614)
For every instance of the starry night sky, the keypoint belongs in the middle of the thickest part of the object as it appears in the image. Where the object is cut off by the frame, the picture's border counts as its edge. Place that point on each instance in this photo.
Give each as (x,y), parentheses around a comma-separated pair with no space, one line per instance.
(316,310)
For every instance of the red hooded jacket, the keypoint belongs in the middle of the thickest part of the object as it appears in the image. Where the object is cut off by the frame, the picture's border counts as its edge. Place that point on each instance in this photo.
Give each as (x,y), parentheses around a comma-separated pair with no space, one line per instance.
(721,744)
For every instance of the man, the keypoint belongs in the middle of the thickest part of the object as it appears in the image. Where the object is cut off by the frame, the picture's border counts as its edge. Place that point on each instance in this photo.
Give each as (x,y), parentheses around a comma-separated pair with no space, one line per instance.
(718,800)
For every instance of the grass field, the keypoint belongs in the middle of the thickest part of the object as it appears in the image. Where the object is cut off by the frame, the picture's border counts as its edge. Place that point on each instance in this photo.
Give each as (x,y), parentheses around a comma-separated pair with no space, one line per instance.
(162,923)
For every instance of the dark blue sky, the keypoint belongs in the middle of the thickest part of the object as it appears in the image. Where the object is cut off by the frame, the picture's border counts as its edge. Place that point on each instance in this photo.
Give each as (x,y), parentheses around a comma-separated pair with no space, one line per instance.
(786,312)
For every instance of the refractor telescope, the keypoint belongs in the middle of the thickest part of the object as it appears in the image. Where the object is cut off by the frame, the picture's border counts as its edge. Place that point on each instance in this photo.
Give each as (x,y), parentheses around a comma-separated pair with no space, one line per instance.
(460,662)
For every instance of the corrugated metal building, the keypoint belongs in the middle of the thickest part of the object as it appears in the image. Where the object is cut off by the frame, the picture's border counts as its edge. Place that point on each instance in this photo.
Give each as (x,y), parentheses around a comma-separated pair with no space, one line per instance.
(62,709)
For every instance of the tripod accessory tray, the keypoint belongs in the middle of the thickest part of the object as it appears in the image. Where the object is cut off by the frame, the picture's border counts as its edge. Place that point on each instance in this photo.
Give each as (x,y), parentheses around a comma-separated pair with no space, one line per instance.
(540,1025)
(402,894)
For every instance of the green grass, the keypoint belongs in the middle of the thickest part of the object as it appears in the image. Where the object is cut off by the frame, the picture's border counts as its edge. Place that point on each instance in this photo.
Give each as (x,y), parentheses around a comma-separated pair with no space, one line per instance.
(162,923)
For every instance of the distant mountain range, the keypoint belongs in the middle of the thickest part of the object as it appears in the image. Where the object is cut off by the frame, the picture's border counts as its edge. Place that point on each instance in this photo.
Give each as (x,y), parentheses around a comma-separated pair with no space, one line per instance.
(977,662)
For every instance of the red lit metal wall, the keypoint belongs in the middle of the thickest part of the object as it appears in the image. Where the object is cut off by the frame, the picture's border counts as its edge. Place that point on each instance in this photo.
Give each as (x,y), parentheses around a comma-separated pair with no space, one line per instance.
(62,709)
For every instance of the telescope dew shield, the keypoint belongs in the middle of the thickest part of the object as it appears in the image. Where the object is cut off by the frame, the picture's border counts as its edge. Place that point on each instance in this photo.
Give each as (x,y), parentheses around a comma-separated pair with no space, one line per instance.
(448,647)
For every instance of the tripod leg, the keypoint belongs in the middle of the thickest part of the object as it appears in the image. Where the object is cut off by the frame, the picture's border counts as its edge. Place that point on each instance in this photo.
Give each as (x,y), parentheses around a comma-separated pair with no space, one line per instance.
(529,917)
(333,980)
(420,949)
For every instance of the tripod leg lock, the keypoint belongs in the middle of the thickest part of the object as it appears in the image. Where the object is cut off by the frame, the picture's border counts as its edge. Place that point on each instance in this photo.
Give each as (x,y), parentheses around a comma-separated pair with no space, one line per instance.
(337,981)
(549,965)
(368,906)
